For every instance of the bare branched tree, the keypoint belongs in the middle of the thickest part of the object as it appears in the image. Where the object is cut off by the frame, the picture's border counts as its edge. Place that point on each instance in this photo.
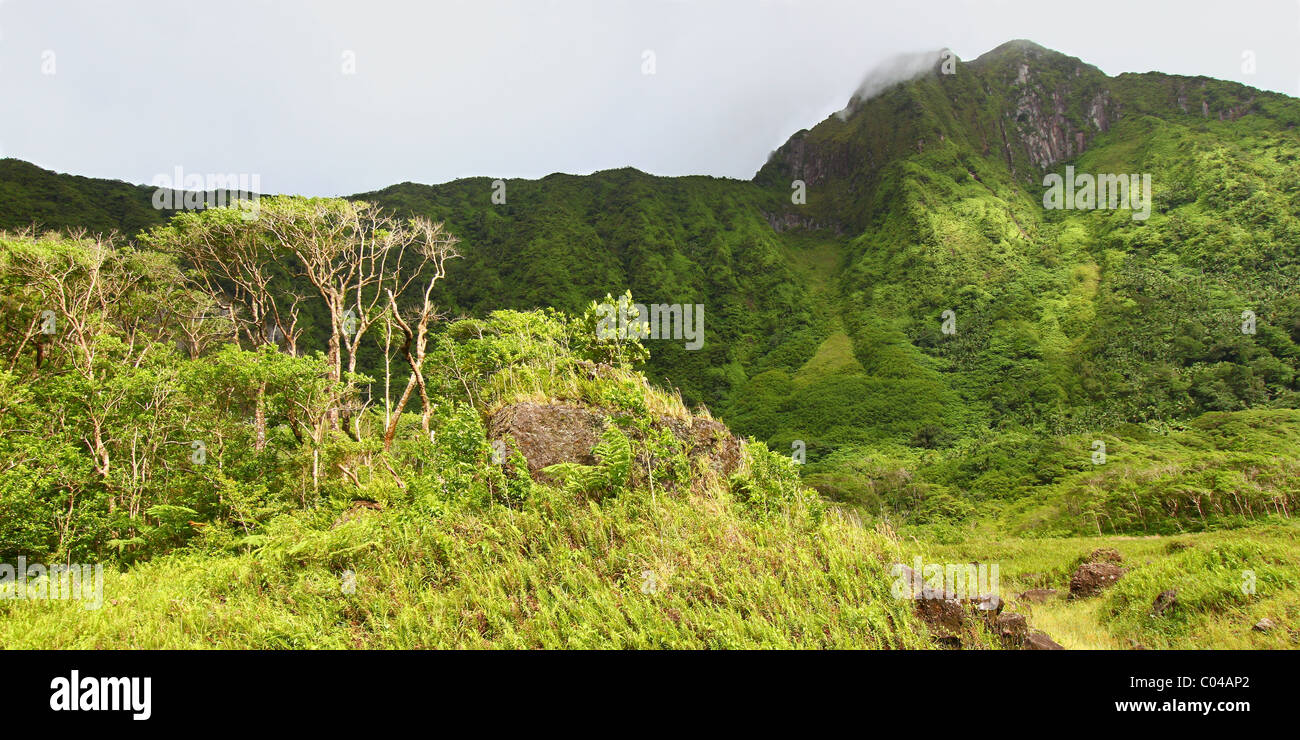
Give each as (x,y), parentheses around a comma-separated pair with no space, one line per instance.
(435,246)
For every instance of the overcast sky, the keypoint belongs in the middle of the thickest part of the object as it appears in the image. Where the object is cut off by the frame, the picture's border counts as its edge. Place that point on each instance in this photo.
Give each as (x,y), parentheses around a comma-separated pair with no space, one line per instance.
(335,97)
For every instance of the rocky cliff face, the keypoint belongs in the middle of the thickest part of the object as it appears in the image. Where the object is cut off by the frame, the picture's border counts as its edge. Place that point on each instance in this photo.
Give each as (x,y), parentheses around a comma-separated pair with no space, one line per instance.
(1055,105)
(1046,133)
(810,164)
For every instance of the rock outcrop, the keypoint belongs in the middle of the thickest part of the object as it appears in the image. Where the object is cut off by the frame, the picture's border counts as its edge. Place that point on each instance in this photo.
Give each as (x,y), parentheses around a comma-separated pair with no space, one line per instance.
(551,433)
(548,433)
(1092,578)
(1013,630)
(954,623)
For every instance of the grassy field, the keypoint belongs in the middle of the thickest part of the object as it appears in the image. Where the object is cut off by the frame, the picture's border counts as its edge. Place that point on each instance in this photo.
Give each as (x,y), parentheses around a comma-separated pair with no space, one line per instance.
(689,571)
(679,572)
(1208,570)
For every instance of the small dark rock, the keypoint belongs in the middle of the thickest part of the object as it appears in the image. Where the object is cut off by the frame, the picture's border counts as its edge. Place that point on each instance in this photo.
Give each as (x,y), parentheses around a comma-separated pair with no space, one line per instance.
(1164,602)
(1038,640)
(1012,629)
(990,603)
(942,616)
(1091,578)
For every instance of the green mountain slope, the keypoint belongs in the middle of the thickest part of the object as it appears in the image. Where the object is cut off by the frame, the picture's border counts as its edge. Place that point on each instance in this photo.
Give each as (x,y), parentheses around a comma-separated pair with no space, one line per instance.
(1067,321)
(930,196)
(31,196)
(565,241)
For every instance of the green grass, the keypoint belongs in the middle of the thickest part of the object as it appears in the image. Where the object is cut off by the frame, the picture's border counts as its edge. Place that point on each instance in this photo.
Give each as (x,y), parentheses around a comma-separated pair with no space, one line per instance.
(556,573)
(1206,569)
(833,357)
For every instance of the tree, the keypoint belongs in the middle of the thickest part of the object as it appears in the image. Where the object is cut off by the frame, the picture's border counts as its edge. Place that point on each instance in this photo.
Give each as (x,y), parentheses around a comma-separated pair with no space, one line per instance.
(435,245)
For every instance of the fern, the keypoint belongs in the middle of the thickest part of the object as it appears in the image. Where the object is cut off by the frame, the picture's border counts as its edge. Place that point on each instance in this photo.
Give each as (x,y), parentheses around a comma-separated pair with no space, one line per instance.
(122,544)
(614,451)
(165,512)
(615,454)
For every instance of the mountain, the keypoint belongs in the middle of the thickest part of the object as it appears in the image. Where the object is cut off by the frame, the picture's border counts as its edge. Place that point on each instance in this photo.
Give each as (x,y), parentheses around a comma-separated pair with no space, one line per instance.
(825,320)
(926,198)
(1067,321)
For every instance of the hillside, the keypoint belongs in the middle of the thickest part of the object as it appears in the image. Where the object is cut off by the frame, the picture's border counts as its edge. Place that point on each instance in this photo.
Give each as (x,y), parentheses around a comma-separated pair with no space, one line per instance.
(31,196)
(541,494)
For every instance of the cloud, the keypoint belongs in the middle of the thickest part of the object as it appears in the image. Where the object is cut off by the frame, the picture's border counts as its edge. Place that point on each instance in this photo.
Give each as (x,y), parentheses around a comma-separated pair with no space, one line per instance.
(896,69)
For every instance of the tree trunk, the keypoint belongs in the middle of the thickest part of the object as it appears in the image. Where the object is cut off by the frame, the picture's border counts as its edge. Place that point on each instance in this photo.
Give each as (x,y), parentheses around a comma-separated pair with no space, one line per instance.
(260,418)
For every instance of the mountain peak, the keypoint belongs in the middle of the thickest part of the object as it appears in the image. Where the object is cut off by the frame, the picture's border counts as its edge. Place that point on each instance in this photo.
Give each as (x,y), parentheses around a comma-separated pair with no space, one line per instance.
(1014,47)
(1026,55)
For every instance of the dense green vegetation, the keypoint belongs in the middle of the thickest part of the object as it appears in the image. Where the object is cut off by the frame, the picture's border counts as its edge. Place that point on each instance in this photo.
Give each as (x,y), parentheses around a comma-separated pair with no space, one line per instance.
(244,486)
(33,197)
(1098,376)
(1068,322)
